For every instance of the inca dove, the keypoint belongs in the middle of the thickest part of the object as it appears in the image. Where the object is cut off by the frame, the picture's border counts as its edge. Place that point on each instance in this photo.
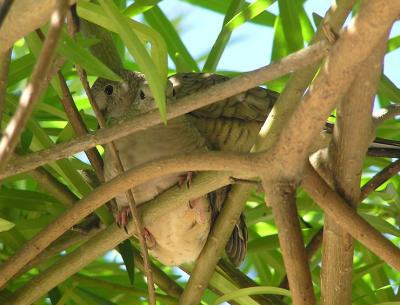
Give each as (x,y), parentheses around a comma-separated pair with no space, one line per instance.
(231,124)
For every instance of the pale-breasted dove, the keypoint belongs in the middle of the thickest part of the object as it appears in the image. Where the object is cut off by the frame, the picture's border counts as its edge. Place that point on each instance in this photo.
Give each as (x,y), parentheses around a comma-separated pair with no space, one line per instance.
(231,124)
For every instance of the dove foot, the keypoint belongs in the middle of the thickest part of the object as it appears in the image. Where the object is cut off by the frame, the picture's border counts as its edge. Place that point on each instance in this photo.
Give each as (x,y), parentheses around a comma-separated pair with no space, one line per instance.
(123,216)
(185,179)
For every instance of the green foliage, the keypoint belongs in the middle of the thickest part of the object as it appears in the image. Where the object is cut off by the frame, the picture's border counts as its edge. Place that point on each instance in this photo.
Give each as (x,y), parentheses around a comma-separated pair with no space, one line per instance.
(27,207)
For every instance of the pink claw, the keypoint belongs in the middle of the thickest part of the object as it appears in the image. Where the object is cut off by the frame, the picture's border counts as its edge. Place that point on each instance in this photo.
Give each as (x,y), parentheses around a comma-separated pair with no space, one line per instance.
(185,178)
(123,218)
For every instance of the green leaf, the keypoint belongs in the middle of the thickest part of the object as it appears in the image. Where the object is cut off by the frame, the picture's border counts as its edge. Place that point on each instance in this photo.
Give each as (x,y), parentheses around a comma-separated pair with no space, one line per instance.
(289,12)
(29,201)
(55,295)
(388,89)
(140,6)
(223,37)
(252,291)
(95,14)
(126,250)
(380,224)
(26,140)
(248,13)
(176,49)
(20,69)
(71,50)
(5,225)
(156,79)
(317,19)
(393,44)
(264,18)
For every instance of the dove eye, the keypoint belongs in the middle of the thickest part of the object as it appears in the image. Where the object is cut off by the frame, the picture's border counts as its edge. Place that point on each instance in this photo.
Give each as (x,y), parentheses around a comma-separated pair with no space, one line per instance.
(108,90)
(142,95)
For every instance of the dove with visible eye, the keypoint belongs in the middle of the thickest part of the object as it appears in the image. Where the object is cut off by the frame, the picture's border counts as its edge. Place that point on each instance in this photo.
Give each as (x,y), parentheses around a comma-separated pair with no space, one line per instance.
(180,235)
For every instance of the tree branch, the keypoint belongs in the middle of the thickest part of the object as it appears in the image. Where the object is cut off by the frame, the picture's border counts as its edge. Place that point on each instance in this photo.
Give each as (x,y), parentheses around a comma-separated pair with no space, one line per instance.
(234,205)
(111,236)
(351,137)
(389,113)
(184,105)
(4,66)
(352,48)
(348,219)
(380,178)
(329,201)
(24,17)
(79,126)
(282,198)
(38,82)
(188,162)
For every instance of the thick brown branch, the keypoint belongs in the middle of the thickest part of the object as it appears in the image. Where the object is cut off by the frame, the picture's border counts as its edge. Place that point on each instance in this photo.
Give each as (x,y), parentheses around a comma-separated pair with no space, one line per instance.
(311,249)
(205,264)
(352,48)
(4,65)
(299,81)
(36,85)
(351,137)
(329,201)
(189,103)
(215,161)
(282,198)
(348,219)
(24,17)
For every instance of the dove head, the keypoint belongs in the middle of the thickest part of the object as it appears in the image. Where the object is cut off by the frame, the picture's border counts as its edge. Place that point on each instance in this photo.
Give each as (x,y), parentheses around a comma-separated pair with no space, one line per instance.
(132,95)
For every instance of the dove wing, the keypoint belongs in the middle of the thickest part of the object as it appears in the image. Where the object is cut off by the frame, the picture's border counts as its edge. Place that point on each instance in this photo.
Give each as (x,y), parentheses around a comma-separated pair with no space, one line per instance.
(231,125)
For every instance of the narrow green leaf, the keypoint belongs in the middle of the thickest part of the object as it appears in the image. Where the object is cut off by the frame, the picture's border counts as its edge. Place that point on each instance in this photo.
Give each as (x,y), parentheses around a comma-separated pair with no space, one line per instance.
(388,89)
(289,13)
(54,295)
(252,291)
(157,81)
(265,18)
(393,44)
(26,140)
(140,6)
(224,285)
(307,29)
(95,14)
(126,250)
(248,13)
(380,224)
(29,201)
(223,37)
(176,49)
(5,225)
(20,69)
(317,19)
(71,50)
